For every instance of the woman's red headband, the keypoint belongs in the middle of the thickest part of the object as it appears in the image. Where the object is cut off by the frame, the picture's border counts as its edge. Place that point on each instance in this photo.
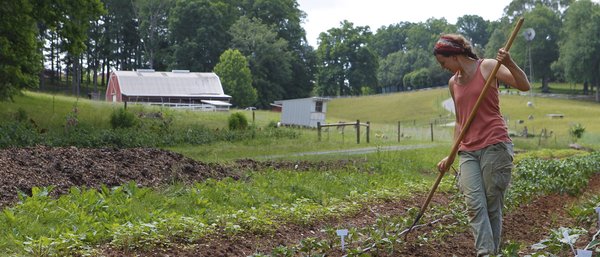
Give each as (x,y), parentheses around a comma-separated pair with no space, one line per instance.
(448,46)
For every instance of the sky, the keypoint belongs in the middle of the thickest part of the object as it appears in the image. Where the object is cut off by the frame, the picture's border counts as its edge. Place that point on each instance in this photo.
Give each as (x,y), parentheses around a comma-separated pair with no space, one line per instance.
(323,15)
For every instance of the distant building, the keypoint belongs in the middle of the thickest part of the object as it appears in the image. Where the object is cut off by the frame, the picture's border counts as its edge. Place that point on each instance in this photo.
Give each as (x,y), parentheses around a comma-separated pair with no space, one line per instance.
(305,112)
(179,89)
(276,106)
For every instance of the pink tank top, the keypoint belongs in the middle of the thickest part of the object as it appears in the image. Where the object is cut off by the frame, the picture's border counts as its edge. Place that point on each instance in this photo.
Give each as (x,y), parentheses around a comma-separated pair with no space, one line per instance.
(488,126)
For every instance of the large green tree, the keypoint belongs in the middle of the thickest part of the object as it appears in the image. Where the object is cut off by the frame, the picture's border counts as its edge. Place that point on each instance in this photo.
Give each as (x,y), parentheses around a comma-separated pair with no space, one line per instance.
(391,71)
(414,58)
(394,68)
(198,32)
(518,8)
(391,39)
(580,43)
(285,17)
(475,28)
(498,37)
(23,25)
(269,57)
(20,61)
(72,25)
(236,78)
(423,35)
(153,16)
(345,62)
(544,46)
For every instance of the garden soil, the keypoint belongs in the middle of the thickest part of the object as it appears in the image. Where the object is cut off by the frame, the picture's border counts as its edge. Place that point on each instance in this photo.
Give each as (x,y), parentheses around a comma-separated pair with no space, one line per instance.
(21,169)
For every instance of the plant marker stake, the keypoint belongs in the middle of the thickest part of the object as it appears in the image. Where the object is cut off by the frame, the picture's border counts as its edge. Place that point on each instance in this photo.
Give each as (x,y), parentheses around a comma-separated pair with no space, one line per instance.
(598,211)
(465,128)
(568,240)
(584,253)
(342,233)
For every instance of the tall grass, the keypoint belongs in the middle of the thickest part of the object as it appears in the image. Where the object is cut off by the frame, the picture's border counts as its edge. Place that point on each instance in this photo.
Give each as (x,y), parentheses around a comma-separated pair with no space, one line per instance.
(50,111)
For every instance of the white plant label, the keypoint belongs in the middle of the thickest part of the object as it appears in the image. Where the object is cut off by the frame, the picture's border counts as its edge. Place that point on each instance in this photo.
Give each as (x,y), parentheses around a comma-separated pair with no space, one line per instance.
(584,253)
(568,240)
(342,233)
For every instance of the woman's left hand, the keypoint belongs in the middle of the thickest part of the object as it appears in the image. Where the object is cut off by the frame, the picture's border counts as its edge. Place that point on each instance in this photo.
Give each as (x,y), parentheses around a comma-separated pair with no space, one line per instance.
(503,56)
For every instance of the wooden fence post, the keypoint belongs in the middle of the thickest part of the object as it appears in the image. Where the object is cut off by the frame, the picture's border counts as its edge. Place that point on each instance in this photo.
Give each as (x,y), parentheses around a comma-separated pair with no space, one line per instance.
(368,130)
(357,131)
(399,131)
(319,130)
(431,126)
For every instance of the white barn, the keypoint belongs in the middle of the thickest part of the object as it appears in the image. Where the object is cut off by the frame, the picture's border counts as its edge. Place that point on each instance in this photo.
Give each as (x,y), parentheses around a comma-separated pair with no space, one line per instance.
(304,112)
(179,88)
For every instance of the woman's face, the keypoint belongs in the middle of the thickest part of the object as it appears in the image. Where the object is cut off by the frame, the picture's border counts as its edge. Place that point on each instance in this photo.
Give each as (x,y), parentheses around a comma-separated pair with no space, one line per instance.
(448,63)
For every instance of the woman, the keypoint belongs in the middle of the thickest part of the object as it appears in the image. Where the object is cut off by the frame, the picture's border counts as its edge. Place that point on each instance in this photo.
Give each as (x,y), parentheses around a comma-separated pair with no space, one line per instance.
(486,151)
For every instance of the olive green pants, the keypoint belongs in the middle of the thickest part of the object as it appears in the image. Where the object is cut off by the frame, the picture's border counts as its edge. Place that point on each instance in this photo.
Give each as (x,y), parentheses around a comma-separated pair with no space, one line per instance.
(484,178)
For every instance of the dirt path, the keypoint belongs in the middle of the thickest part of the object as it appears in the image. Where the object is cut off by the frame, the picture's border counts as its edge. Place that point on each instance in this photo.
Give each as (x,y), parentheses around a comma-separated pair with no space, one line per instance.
(364,150)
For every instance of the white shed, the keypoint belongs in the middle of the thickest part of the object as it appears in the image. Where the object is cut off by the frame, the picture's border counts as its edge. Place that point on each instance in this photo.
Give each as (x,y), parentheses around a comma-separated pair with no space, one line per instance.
(304,112)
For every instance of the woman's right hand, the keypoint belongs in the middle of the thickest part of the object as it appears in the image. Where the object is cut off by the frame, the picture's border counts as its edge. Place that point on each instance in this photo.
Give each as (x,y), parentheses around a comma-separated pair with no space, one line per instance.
(442,164)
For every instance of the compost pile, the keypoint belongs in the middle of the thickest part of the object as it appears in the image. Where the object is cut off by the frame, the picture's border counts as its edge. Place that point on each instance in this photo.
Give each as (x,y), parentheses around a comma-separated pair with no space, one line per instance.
(21,169)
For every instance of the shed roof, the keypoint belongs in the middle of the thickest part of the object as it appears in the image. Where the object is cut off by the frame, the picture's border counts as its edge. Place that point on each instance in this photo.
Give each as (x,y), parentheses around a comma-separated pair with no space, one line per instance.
(176,83)
(307,99)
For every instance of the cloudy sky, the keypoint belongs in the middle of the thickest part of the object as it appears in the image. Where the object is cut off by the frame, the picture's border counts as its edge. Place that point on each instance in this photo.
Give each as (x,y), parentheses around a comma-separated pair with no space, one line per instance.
(325,14)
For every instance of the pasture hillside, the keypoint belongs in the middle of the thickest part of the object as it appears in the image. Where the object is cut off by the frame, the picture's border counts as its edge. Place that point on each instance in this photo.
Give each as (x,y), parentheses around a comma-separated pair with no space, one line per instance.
(553,112)
(413,111)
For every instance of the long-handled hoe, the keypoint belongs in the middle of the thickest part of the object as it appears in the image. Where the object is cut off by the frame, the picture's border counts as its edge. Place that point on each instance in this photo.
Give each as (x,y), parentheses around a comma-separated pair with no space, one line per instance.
(464,130)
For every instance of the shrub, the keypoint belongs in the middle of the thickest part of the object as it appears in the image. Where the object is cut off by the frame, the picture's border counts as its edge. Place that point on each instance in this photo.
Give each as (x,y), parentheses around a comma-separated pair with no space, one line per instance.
(18,134)
(21,115)
(273,124)
(237,121)
(576,131)
(121,118)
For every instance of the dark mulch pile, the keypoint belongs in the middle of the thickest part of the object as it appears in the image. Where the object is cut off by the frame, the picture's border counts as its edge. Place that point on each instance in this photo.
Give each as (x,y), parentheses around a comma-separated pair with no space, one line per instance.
(23,168)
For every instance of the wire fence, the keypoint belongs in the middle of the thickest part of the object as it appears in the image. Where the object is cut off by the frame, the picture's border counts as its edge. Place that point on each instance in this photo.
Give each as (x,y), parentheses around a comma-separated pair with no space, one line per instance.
(438,130)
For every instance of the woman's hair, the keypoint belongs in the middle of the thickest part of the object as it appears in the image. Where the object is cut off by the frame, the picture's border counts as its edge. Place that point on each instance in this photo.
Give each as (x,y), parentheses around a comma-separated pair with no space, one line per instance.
(454,44)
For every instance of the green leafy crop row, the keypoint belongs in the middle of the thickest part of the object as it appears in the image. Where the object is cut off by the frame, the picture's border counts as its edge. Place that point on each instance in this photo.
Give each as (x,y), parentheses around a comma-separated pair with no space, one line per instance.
(534,176)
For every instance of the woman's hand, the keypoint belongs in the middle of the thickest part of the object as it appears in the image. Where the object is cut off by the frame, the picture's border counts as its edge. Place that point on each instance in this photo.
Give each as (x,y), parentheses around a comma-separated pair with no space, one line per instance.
(442,164)
(504,57)
(510,73)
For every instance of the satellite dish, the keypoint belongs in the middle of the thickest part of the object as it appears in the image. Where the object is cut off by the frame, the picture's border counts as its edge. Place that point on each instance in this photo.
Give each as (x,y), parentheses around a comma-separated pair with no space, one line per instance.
(529,34)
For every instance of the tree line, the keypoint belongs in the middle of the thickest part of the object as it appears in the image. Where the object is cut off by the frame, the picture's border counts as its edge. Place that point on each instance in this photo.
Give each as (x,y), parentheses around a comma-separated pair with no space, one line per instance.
(259,47)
